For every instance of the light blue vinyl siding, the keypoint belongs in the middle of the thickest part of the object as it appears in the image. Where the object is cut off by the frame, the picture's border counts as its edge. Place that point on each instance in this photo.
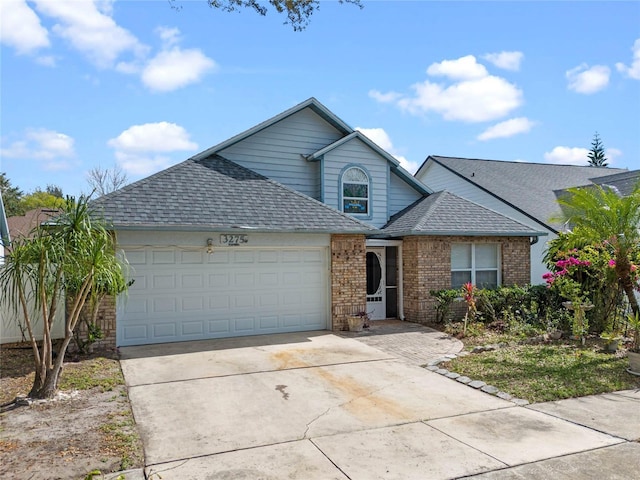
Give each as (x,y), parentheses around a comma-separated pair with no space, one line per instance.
(401,194)
(275,152)
(356,153)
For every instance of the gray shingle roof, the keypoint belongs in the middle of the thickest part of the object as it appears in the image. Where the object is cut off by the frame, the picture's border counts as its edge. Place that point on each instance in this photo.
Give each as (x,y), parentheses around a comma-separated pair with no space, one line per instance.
(218,193)
(529,187)
(444,213)
(623,182)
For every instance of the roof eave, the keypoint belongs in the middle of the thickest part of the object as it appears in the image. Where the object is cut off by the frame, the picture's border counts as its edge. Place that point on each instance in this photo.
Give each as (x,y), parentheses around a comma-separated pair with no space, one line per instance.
(236,229)
(441,233)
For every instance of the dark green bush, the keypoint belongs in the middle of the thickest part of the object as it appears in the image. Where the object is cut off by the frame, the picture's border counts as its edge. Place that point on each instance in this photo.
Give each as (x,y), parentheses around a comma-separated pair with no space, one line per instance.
(518,309)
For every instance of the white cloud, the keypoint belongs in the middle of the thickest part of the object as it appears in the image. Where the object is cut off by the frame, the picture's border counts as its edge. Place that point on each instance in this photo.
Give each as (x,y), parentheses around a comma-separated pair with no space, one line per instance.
(632,71)
(477,97)
(583,79)
(143,149)
(169,36)
(53,148)
(568,156)
(176,68)
(612,154)
(478,100)
(20,27)
(389,97)
(508,128)
(464,68)
(46,60)
(505,60)
(381,138)
(138,165)
(90,29)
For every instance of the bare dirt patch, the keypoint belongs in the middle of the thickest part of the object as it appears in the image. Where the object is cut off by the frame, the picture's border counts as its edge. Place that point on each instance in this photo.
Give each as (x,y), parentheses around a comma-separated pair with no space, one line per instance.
(88,426)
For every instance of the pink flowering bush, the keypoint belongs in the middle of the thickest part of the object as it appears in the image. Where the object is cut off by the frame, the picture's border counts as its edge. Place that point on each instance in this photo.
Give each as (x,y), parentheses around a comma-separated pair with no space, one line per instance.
(586,275)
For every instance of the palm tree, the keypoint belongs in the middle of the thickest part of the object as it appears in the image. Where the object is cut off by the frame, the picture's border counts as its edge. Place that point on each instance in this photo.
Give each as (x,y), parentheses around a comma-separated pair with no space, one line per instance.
(72,256)
(599,215)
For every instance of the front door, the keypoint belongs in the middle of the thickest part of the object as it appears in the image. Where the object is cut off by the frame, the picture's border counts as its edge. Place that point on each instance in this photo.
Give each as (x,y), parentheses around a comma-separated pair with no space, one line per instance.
(376,294)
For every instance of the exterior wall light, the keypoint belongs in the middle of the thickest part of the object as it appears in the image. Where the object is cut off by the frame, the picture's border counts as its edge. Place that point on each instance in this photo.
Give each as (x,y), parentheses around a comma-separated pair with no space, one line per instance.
(209,246)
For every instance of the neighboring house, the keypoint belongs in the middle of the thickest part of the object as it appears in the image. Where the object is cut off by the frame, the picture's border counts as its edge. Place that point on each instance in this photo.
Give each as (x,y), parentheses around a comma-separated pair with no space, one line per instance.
(12,329)
(526,192)
(294,225)
(623,183)
(24,225)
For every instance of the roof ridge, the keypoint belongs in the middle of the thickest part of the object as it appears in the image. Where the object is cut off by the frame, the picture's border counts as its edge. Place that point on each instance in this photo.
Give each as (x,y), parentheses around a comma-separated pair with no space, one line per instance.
(438,198)
(493,160)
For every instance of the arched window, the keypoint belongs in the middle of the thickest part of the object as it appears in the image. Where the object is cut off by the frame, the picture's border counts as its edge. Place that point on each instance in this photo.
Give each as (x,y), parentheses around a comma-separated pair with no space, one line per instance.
(355,191)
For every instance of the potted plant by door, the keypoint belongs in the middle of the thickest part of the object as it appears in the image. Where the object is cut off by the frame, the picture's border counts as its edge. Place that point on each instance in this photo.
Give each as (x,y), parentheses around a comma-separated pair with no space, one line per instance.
(633,320)
(358,321)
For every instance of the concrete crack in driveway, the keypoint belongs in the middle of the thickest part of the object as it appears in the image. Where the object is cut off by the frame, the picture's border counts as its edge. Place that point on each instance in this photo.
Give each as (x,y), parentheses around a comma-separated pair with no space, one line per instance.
(308,426)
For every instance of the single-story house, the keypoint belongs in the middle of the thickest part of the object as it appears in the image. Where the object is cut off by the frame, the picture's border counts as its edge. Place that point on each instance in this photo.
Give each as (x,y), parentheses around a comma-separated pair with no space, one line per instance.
(294,225)
(526,192)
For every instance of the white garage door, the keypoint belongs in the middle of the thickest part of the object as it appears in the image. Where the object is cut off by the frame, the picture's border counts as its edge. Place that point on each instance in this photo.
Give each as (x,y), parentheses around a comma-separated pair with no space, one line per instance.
(182,294)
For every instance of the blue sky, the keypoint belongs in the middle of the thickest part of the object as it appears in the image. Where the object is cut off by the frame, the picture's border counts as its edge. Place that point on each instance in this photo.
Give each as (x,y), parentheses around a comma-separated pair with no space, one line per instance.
(144,86)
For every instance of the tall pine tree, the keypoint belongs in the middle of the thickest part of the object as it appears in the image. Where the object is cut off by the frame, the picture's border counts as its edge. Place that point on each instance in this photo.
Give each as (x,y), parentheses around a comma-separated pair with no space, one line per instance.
(596,154)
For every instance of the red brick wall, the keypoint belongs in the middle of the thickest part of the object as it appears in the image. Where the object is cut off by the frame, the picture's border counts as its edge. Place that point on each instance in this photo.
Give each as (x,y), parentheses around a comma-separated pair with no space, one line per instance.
(427,266)
(348,278)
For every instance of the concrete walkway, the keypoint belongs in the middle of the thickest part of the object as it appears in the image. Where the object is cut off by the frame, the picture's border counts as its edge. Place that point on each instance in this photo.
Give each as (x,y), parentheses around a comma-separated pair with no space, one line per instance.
(321,406)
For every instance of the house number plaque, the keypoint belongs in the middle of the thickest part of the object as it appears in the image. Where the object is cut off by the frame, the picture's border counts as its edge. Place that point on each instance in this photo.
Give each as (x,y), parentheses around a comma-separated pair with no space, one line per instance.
(233,240)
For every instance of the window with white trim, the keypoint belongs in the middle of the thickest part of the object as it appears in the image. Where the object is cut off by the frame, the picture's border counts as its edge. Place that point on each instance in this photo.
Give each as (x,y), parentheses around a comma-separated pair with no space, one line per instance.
(478,263)
(355,191)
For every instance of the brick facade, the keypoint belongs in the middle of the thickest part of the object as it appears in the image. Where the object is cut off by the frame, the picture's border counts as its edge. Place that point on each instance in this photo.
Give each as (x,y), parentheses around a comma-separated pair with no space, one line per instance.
(348,278)
(106,320)
(427,266)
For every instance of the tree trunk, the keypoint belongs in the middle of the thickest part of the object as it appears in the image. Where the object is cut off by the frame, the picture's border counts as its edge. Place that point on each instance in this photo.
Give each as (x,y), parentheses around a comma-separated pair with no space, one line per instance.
(48,386)
(623,267)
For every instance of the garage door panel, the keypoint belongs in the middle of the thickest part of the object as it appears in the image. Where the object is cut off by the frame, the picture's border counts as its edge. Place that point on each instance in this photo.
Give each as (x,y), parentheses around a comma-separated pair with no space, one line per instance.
(191,280)
(246,324)
(227,293)
(137,257)
(193,304)
(135,334)
(163,257)
(291,256)
(218,257)
(269,323)
(268,256)
(164,305)
(191,258)
(164,330)
(192,328)
(164,281)
(219,302)
(244,301)
(244,280)
(219,328)
(219,280)
(242,256)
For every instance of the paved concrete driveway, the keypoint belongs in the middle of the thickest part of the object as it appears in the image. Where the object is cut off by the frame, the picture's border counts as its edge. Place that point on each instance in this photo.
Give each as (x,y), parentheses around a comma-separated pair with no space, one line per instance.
(317,405)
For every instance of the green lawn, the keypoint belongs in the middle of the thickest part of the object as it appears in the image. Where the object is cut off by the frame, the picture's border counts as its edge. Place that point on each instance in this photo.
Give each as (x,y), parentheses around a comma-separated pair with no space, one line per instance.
(540,373)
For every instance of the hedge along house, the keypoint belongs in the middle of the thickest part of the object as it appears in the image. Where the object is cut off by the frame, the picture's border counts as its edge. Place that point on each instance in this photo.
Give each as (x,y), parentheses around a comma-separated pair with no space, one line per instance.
(294,225)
